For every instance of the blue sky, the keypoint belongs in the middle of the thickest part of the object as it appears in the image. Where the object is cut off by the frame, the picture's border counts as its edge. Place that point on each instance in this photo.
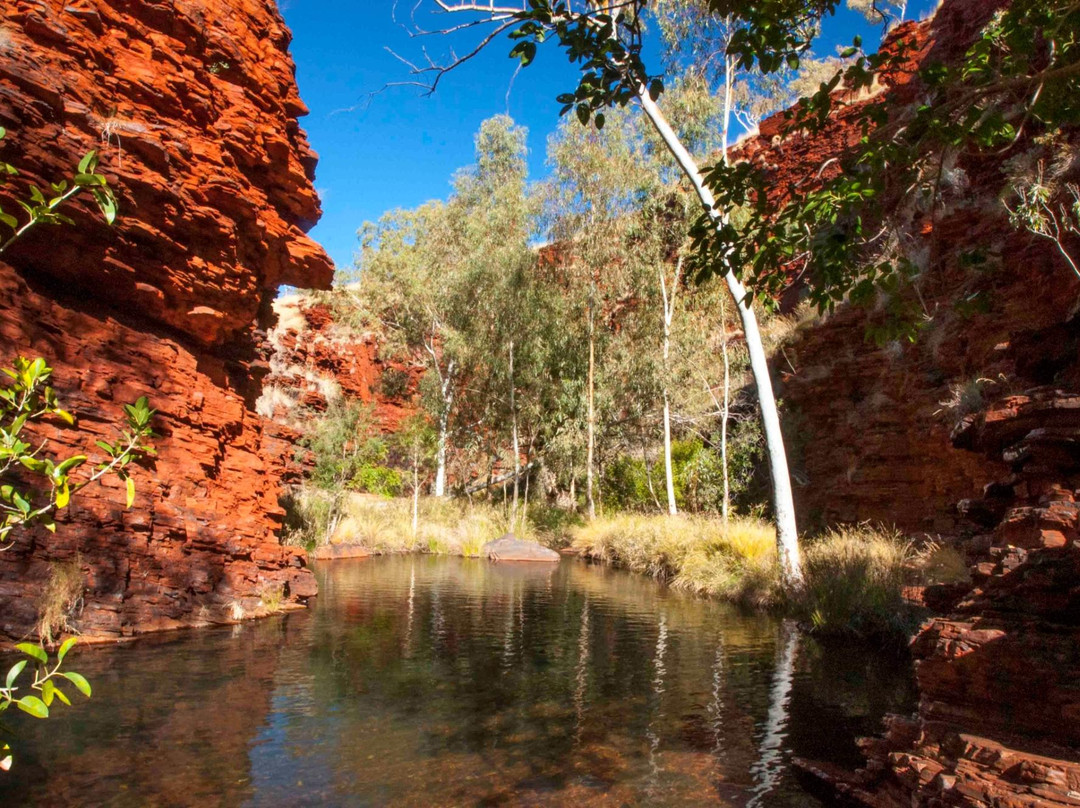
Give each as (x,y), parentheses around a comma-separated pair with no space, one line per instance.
(398,147)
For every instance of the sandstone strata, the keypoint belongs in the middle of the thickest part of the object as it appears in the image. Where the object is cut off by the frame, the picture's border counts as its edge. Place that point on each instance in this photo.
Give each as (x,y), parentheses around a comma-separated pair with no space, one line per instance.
(194,108)
(875,434)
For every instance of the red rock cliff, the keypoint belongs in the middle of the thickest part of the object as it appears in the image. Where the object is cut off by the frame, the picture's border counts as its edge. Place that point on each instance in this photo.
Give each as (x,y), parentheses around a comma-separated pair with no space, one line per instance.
(869,426)
(973,431)
(194,107)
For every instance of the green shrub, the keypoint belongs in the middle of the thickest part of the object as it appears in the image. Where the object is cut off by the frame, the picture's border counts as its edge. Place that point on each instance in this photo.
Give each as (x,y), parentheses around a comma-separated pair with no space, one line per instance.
(344,440)
(697,475)
(554,526)
(381,480)
(394,383)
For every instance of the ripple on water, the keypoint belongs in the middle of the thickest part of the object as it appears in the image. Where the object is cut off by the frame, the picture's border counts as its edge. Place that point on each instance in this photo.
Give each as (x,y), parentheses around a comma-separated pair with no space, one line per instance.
(436,681)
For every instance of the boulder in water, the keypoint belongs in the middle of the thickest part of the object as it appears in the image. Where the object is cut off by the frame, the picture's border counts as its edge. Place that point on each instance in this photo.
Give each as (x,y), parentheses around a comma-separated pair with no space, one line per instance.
(510,548)
(329,552)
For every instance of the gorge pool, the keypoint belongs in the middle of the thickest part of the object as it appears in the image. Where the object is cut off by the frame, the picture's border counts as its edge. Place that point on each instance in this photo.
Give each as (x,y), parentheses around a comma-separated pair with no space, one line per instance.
(415,681)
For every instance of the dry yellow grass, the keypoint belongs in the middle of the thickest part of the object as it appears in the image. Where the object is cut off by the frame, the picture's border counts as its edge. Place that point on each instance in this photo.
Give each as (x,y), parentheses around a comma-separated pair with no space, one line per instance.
(693,553)
(445,526)
(854,576)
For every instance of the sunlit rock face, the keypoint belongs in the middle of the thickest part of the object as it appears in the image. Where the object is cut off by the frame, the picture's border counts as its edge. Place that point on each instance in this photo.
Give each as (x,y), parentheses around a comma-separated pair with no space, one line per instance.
(316,361)
(194,107)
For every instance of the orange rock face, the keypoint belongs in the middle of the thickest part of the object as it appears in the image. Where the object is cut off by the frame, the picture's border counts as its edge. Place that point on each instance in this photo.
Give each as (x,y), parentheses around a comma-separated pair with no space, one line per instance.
(316,360)
(194,108)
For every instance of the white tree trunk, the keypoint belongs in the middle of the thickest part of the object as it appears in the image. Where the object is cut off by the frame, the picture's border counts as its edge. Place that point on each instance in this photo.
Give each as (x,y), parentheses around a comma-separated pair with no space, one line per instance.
(447,391)
(787,537)
(669,312)
(725,412)
(589,501)
(517,449)
(415,494)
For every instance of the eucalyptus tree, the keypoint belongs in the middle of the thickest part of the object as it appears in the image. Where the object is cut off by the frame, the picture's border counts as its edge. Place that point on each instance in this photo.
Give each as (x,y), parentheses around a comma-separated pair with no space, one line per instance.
(596,186)
(408,268)
(440,281)
(605,39)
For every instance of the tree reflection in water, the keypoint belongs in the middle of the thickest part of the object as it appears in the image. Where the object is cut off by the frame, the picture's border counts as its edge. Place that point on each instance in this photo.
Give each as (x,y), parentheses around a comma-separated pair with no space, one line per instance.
(424,681)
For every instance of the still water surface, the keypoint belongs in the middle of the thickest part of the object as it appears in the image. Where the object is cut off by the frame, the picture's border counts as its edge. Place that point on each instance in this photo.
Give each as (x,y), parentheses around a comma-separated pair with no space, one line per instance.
(416,681)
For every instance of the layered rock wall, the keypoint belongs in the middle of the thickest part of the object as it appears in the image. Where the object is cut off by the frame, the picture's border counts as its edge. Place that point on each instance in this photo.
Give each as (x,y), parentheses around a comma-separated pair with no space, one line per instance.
(869,423)
(194,107)
(971,431)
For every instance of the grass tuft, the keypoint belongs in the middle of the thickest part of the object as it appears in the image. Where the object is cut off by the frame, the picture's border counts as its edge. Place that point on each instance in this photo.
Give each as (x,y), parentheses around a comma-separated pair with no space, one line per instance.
(60,599)
(693,553)
(855,579)
(384,526)
(855,576)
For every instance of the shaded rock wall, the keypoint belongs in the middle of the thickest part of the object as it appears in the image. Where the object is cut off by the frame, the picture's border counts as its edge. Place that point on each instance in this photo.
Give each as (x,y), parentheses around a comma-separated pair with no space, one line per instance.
(194,108)
(999,715)
(869,425)
(971,431)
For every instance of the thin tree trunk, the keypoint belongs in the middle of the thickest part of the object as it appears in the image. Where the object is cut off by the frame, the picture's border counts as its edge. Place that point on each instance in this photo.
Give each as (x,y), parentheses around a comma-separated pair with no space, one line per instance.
(669,312)
(446,388)
(648,474)
(517,451)
(787,537)
(440,452)
(525,503)
(725,412)
(590,504)
(415,494)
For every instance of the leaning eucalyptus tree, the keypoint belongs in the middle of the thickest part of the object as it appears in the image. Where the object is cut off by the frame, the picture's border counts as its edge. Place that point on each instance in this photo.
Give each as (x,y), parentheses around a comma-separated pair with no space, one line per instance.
(605,39)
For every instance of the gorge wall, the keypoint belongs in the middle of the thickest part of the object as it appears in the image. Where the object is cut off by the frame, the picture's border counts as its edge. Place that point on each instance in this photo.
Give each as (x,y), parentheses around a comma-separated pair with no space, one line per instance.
(193,105)
(970,432)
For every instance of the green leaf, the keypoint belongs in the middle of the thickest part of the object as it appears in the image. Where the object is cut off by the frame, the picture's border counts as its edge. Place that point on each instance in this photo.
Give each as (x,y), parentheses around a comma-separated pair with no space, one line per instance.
(79,681)
(13,674)
(61,695)
(68,643)
(64,415)
(130,492)
(33,464)
(21,503)
(106,202)
(34,706)
(35,651)
(69,464)
(88,163)
(47,691)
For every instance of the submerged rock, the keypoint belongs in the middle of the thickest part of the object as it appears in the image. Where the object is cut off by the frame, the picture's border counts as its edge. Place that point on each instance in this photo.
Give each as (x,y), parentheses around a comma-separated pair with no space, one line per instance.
(510,548)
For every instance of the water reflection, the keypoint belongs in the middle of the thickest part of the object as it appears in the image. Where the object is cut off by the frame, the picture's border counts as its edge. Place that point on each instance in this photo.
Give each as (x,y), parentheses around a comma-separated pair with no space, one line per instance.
(425,681)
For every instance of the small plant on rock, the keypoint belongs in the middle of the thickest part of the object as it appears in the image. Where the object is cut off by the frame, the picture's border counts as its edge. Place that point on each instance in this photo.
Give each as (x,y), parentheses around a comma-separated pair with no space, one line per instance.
(36,483)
